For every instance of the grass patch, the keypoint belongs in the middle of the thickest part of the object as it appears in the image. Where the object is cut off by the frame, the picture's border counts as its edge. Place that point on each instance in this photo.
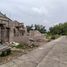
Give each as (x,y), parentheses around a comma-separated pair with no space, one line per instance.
(5,53)
(25,46)
(52,37)
(22,46)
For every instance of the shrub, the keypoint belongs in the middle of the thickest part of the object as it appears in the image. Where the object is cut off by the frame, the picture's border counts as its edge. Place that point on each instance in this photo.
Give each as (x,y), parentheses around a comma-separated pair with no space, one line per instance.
(53,37)
(5,53)
(22,46)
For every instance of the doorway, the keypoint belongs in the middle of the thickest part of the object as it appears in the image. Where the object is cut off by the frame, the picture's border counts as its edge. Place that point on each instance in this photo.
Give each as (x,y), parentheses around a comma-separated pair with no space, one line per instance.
(1,33)
(7,34)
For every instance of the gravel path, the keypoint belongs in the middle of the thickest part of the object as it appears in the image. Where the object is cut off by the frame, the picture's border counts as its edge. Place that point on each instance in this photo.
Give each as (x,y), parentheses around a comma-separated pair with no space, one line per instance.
(53,54)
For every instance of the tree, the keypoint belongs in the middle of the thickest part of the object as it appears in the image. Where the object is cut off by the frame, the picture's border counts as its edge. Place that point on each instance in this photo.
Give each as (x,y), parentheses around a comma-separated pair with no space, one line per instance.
(29,28)
(40,28)
(60,29)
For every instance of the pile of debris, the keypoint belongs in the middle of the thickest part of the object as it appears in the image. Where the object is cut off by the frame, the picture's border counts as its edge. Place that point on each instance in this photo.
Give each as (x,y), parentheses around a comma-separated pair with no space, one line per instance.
(34,37)
(37,36)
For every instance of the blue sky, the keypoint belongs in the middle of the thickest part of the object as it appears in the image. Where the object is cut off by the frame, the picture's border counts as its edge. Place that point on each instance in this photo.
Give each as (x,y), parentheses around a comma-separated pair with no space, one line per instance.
(45,12)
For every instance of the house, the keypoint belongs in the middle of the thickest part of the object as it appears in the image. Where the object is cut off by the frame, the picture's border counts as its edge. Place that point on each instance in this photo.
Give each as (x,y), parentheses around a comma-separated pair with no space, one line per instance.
(10,30)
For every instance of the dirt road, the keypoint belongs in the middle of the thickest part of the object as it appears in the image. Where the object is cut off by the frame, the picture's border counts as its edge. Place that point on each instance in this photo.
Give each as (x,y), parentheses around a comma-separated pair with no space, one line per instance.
(52,54)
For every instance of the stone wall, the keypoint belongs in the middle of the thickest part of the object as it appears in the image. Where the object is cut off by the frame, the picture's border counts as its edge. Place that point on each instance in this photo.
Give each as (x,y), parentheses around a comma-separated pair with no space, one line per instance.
(13,30)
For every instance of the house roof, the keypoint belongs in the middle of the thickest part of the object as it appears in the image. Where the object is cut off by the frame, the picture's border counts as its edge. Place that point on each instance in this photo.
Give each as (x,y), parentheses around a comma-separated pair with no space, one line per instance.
(3,15)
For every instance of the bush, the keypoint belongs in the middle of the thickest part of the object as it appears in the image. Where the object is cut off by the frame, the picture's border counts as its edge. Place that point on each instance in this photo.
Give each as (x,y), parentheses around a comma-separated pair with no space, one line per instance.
(53,37)
(25,46)
(33,45)
(8,51)
(5,53)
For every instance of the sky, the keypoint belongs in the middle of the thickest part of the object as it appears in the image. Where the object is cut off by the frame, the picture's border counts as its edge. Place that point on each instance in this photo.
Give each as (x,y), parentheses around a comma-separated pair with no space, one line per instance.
(44,12)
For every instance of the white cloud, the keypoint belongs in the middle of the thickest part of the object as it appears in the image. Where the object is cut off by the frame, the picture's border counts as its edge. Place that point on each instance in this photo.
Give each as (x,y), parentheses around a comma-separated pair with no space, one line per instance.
(47,12)
(40,10)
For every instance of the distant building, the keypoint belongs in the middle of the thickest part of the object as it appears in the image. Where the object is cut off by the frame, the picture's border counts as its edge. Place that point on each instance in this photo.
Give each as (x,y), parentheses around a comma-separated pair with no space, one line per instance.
(10,30)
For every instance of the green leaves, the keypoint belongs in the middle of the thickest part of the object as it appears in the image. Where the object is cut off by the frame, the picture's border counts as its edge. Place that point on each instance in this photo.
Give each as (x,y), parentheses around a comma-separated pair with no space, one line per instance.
(60,29)
(38,27)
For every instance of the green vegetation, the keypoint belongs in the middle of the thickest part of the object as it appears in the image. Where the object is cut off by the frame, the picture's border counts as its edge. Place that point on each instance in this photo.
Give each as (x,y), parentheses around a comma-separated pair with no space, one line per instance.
(53,33)
(29,28)
(60,29)
(5,53)
(40,28)
(52,37)
(25,46)
(57,31)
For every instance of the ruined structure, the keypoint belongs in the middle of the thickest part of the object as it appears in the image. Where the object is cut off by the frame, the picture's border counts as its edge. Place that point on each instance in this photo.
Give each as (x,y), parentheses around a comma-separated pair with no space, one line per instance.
(37,36)
(10,30)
